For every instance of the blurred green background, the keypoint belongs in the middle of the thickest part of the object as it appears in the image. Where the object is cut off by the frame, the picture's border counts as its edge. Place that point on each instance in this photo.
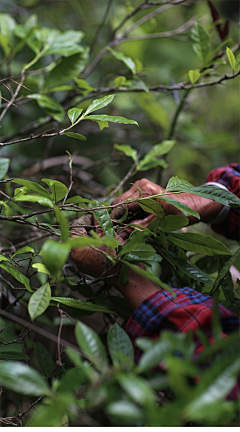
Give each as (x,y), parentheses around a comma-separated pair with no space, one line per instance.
(207,132)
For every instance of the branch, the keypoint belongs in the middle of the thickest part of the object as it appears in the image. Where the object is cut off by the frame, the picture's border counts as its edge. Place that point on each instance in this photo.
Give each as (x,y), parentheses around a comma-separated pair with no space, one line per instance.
(96,36)
(38,330)
(182,29)
(124,178)
(117,39)
(151,15)
(14,95)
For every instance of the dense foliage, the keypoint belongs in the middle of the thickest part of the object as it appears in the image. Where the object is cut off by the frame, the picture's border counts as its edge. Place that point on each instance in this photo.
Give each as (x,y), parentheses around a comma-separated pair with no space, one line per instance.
(95,95)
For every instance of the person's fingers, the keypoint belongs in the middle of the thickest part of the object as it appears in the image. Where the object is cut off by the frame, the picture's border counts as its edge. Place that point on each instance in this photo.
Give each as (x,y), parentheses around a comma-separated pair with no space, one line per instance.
(125,232)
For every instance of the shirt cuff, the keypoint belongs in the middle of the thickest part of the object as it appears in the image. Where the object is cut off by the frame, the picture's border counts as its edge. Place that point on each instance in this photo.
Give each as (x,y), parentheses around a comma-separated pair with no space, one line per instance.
(223,214)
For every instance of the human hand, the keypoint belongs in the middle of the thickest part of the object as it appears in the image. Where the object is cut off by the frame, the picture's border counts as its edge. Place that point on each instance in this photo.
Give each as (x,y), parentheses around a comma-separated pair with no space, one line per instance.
(92,261)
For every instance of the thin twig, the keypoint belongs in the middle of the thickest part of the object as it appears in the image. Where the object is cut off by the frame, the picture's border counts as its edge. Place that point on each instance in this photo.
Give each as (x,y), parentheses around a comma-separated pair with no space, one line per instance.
(121,36)
(124,178)
(96,36)
(14,95)
(180,30)
(38,330)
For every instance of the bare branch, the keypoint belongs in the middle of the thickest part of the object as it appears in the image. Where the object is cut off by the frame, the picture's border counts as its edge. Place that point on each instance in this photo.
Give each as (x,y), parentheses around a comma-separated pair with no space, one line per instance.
(14,95)
(180,30)
(38,330)
(117,39)
(96,36)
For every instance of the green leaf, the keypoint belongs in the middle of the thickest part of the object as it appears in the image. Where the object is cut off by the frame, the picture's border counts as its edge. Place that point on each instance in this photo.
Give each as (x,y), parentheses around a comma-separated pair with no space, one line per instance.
(153,356)
(200,243)
(84,86)
(224,270)
(13,355)
(101,124)
(176,184)
(49,105)
(227,286)
(137,250)
(201,42)
(34,187)
(109,118)
(156,113)
(217,194)
(137,388)
(72,380)
(81,304)
(23,250)
(75,135)
(194,75)
(41,268)
(17,275)
(127,150)
(231,58)
(58,189)
(54,413)
(158,150)
(152,206)
(104,220)
(91,345)
(78,199)
(99,103)
(66,69)
(188,269)
(39,301)
(44,359)
(74,113)
(173,223)
(125,410)
(126,60)
(65,43)
(54,255)
(20,378)
(4,165)
(185,209)
(3,258)
(34,198)
(215,385)
(120,347)
(237,61)
(120,81)
(63,222)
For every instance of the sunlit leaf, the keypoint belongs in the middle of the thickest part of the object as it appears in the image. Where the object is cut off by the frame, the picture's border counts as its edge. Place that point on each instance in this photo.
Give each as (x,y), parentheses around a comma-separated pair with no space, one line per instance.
(126,60)
(91,344)
(54,255)
(201,42)
(99,103)
(28,381)
(109,118)
(4,165)
(75,135)
(81,304)
(39,301)
(17,275)
(231,58)
(127,150)
(74,114)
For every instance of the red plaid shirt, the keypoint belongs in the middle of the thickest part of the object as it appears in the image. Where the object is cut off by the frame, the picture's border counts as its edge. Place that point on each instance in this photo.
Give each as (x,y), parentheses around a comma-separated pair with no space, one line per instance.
(190,310)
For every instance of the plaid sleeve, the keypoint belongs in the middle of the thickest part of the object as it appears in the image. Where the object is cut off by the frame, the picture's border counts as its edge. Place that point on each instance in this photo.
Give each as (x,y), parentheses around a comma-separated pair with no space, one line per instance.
(189,311)
(228,176)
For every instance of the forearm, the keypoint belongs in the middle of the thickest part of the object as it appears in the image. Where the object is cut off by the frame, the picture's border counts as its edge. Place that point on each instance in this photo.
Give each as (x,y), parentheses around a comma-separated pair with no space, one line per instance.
(136,289)
(206,208)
